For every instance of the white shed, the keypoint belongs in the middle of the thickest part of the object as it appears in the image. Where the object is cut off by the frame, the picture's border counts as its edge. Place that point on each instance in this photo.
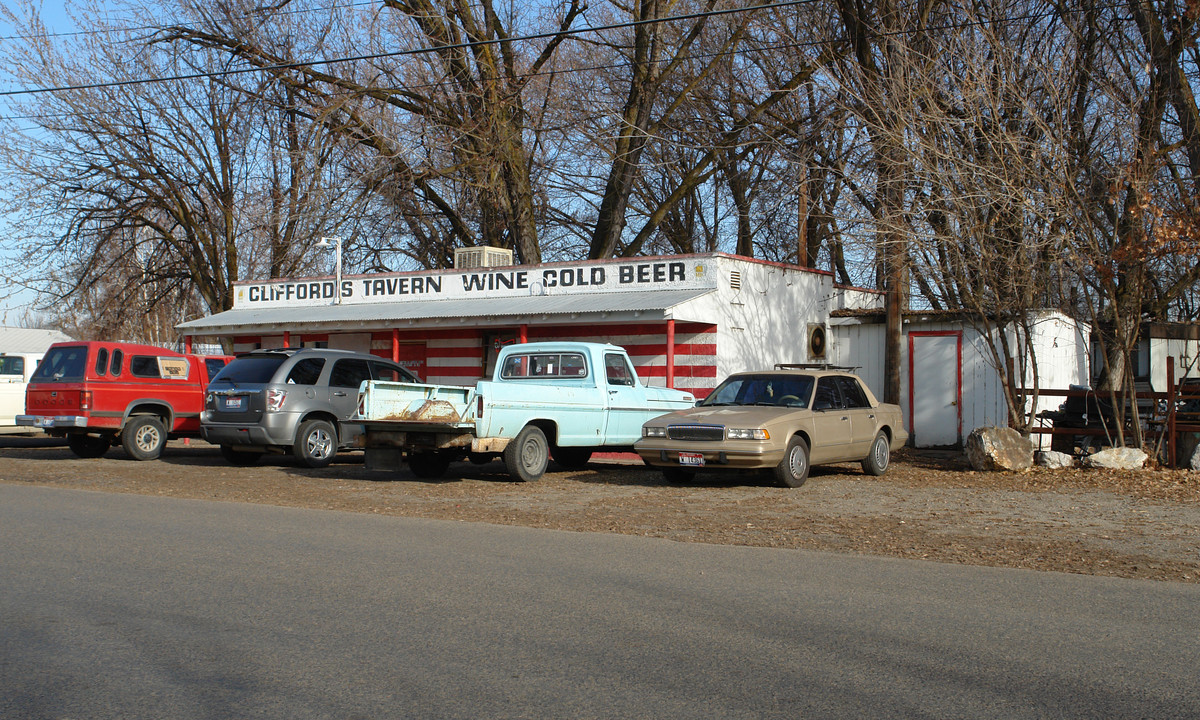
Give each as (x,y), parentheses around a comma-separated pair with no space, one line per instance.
(949,383)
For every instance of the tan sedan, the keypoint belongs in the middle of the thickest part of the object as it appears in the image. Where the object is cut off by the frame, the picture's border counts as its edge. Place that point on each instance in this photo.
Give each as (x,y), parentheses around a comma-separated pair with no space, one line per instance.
(782,420)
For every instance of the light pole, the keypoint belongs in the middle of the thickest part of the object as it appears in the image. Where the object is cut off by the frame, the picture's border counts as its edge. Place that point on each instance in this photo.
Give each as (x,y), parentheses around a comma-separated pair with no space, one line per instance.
(337,265)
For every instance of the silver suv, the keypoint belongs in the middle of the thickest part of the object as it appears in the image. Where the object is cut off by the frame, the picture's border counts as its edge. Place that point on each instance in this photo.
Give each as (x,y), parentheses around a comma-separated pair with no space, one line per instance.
(290,399)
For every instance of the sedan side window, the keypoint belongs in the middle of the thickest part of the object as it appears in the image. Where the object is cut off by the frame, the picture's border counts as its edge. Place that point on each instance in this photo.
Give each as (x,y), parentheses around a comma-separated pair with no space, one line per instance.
(349,373)
(827,396)
(852,393)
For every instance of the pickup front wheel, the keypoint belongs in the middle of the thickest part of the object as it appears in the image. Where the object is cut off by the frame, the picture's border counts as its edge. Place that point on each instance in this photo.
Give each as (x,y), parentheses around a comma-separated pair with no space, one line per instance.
(526,456)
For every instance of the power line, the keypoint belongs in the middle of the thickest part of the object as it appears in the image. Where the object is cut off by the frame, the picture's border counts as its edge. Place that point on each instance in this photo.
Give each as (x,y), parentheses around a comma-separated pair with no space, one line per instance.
(404,53)
(141,28)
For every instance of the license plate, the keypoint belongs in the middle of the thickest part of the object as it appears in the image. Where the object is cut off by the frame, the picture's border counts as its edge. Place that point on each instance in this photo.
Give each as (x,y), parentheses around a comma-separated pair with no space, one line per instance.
(234,403)
(43,422)
(693,459)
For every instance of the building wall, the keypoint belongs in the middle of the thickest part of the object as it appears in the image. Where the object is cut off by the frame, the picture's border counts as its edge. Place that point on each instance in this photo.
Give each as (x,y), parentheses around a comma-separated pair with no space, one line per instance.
(764,313)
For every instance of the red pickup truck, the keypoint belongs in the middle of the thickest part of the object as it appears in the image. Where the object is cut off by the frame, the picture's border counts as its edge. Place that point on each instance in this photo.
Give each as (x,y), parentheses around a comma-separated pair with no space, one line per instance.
(98,394)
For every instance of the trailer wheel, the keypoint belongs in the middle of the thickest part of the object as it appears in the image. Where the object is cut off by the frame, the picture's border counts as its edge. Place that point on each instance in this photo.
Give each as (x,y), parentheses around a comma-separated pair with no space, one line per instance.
(526,456)
(88,446)
(428,465)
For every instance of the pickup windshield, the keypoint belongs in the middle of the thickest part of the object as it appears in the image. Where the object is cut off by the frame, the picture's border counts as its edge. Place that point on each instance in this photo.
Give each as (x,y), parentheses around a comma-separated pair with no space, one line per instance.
(763,389)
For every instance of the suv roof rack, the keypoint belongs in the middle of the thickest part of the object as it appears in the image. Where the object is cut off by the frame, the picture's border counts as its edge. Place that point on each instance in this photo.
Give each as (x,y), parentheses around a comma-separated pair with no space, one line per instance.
(815,366)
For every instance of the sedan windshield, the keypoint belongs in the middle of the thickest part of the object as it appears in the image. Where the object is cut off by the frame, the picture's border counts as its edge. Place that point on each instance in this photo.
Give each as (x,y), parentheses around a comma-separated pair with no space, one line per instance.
(765,389)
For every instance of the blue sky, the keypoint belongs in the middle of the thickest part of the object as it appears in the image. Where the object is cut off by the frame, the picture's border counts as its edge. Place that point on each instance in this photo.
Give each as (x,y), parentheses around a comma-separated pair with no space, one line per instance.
(53,13)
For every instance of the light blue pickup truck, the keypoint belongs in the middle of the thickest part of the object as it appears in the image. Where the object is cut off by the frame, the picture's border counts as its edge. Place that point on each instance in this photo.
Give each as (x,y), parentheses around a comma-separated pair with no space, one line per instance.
(548,399)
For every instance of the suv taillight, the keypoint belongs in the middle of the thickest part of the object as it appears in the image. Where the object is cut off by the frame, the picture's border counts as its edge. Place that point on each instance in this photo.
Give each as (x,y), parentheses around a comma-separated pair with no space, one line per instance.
(275,399)
(85,400)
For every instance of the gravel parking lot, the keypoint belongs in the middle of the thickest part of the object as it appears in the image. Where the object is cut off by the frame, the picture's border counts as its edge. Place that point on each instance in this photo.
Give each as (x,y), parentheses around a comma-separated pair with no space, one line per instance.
(929,505)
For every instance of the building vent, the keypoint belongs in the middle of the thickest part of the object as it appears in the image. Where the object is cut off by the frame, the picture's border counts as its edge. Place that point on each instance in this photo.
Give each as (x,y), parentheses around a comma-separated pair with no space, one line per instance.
(816,342)
(477,257)
(735,279)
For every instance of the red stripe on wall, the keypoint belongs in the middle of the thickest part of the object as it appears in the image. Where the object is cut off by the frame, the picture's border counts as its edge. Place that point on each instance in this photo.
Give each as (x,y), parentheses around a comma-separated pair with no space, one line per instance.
(445,371)
(459,352)
(680,371)
(680,349)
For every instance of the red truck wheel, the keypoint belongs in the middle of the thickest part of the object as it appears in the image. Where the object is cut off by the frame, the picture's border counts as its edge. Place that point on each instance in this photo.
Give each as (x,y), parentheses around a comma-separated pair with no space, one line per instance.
(144,437)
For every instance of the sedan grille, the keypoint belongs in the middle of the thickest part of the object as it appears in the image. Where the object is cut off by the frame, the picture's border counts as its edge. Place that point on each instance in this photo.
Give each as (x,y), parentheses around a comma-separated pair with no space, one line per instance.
(696,432)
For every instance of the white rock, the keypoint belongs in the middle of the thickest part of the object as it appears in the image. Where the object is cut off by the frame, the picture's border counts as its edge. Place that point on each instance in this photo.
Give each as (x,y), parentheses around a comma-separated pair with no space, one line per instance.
(1117,459)
(1054,460)
(998,448)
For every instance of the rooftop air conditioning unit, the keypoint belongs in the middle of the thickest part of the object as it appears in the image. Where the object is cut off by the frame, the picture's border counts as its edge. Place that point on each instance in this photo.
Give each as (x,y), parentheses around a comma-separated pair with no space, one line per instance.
(477,257)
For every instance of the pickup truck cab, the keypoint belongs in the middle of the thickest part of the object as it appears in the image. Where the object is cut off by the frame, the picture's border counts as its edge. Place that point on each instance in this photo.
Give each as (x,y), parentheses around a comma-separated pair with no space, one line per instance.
(563,400)
(98,394)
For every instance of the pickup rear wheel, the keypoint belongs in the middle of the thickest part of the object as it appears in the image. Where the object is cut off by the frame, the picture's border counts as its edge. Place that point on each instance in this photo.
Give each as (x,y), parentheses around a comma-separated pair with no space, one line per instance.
(144,437)
(88,446)
(526,456)
(316,443)
(428,465)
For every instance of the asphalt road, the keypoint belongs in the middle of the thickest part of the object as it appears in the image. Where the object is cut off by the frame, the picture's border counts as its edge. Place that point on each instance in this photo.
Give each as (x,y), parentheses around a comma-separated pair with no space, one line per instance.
(124,606)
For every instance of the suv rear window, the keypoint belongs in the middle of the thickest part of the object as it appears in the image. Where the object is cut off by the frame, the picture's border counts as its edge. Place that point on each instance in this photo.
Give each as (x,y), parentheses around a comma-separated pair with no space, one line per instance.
(251,369)
(63,363)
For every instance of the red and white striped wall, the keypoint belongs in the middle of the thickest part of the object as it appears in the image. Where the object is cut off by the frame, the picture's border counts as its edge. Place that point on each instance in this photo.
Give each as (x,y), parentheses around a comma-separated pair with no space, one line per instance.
(460,356)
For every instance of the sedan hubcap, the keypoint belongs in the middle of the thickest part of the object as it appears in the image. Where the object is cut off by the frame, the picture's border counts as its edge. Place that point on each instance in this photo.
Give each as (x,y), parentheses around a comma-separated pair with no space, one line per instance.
(796,462)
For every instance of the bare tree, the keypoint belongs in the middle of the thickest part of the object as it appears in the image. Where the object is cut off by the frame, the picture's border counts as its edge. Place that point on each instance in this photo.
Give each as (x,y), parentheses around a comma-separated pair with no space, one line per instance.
(458,75)
(157,188)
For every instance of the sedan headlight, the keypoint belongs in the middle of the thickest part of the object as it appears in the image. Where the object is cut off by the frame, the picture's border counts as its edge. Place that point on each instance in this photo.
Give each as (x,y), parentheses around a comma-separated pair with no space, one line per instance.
(749,434)
(651,431)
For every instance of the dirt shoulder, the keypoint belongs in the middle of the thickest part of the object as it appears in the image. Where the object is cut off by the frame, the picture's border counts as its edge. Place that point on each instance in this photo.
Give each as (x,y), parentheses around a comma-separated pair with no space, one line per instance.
(931,506)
